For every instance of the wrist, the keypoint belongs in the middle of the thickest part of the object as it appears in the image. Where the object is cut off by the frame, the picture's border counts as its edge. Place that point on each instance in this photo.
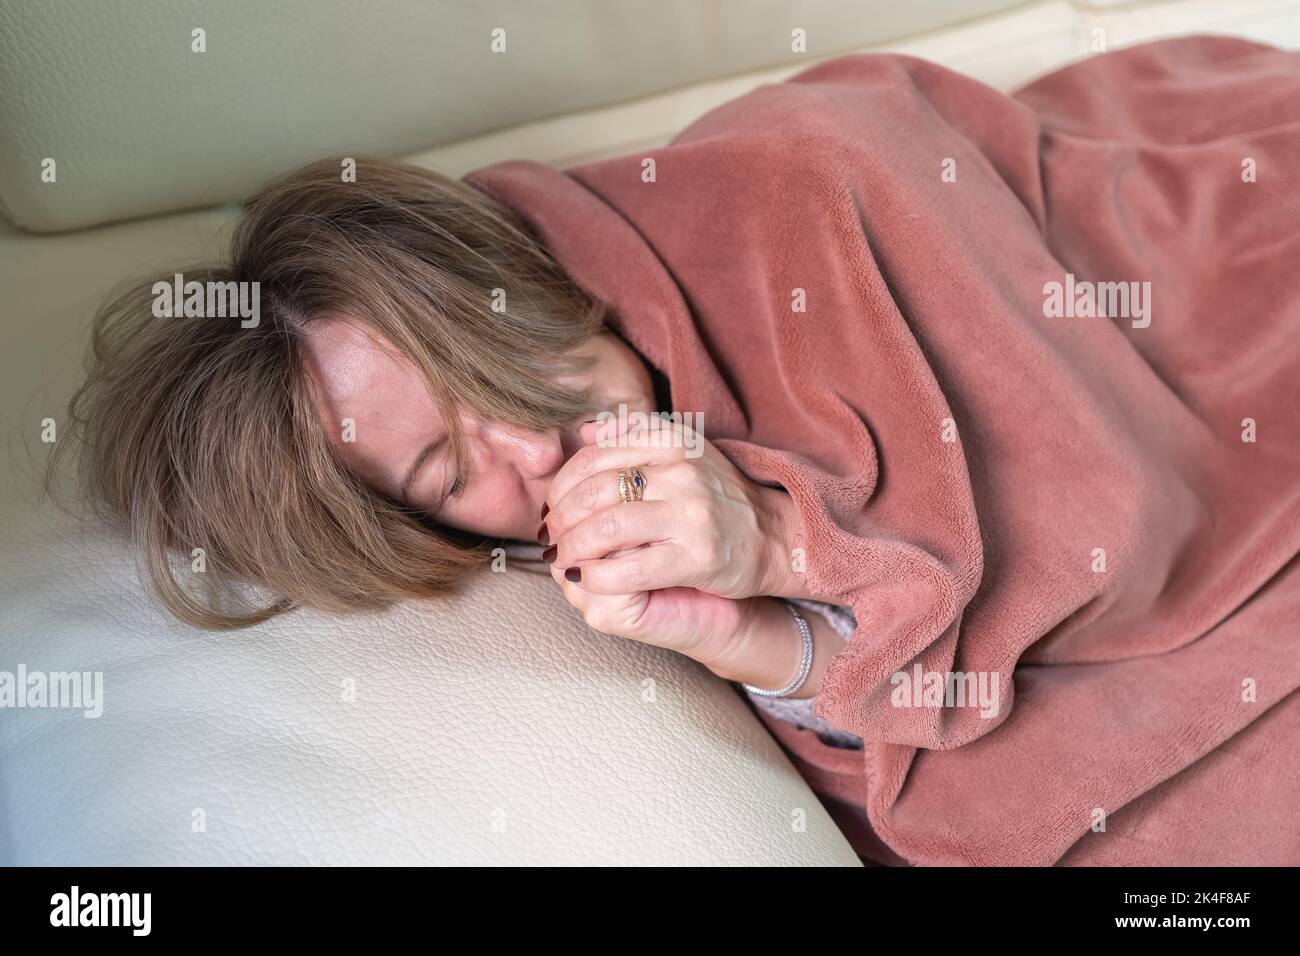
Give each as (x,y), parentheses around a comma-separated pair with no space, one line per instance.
(784,540)
(729,655)
(766,648)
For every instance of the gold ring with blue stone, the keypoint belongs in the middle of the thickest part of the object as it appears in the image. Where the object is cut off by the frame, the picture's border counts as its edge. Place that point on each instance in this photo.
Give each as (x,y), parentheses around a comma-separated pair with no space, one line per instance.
(631,484)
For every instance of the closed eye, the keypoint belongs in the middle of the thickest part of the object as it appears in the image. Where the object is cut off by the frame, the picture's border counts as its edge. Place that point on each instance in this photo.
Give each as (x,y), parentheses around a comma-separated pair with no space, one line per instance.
(457,486)
(414,471)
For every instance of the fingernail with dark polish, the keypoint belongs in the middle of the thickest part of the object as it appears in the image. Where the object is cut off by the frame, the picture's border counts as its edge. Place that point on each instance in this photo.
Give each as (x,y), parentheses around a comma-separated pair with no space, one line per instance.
(543,535)
(545,508)
(573,574)
(549,555)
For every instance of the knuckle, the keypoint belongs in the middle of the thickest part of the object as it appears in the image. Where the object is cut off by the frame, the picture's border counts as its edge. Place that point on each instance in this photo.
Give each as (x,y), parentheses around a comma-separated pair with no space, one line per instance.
(634,572)
(686,476)
(586,459)
(693,512)
(590,493)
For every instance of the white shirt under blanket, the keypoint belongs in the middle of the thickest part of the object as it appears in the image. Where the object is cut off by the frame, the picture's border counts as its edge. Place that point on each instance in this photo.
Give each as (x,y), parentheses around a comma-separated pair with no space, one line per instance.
(799,711)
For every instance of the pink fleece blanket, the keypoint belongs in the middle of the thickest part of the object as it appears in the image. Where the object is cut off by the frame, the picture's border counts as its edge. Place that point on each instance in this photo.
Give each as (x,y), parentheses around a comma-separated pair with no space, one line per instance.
(1029,366)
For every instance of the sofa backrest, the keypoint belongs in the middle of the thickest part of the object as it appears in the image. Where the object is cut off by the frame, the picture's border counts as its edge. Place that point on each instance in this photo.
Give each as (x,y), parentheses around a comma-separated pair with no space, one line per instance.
(138,121)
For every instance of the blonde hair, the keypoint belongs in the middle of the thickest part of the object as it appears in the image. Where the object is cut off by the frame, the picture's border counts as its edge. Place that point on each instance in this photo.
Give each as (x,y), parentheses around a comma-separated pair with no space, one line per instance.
(199,433)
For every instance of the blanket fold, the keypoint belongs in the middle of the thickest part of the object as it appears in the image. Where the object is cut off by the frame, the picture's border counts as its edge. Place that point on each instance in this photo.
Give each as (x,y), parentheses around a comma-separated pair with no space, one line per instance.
(1028,367)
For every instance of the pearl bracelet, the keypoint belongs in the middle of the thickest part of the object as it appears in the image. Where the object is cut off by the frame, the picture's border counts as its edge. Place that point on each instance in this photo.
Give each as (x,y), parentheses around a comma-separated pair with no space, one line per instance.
(805,662)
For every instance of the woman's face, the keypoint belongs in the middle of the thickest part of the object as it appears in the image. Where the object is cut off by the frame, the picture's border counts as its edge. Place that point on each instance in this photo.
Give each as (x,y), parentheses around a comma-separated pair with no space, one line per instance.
(399,444)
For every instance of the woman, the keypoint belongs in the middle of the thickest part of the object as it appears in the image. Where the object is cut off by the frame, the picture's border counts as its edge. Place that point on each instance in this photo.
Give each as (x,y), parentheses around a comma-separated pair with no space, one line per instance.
(412,395)
(1069,537)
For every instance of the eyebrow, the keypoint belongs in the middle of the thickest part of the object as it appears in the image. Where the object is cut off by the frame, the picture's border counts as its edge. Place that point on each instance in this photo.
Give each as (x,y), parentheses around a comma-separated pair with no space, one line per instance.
(414,470)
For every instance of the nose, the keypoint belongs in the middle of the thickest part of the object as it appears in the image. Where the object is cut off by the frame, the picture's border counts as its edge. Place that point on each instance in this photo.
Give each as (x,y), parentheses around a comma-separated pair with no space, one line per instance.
(535,453)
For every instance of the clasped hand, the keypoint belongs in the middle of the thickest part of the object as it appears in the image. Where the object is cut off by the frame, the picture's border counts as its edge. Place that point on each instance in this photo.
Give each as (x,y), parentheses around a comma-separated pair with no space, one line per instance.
(673,568)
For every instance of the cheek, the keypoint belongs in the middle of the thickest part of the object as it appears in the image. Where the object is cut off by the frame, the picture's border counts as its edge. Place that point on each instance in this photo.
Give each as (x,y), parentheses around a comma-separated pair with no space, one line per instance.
(492,503)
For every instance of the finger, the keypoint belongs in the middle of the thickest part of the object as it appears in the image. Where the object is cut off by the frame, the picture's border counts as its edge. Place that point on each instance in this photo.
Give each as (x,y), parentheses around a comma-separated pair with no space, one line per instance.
(628,525)
(644,431)
(609,430)
(637,446)
(574,594)
(612,614)
(590,495)
(599,492)
(646,569)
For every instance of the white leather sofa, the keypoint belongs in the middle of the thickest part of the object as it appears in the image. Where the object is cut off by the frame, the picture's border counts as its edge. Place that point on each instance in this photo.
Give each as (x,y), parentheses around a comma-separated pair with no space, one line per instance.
(492,729)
